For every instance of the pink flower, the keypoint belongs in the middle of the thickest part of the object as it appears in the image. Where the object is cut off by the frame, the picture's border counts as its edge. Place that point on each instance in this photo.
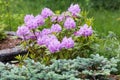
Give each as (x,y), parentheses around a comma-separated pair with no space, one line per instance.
(31,35)
(74,9)
(60,18)
(51,38)
(56,28)
(23,31)
(54,18)
(46,39)
(46,12)
(69,23)
(32,24)
(84,31)
(54,46)
(28,17)
(67,43)
(42,40)
(38,34)
(40,20)
(57,18)
(46,31)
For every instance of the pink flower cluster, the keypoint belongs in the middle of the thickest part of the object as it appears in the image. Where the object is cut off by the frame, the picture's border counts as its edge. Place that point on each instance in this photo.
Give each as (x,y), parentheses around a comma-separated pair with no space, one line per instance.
(46,12)
(33,22)
(69,23)
(53,44)
(56,18)
(84,31)
(74,9)
(45,37)
(22,32)
(56,28)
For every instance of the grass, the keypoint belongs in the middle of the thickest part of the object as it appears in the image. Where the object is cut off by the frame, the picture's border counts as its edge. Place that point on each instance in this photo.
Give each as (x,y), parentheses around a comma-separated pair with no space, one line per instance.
(104,20)
(18,9)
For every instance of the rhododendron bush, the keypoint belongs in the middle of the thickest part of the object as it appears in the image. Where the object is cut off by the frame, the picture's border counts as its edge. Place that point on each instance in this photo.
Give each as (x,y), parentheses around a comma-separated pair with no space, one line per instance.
(57,35)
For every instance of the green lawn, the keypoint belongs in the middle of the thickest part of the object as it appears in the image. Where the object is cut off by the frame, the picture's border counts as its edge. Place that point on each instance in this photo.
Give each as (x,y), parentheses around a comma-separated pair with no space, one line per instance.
(104,20)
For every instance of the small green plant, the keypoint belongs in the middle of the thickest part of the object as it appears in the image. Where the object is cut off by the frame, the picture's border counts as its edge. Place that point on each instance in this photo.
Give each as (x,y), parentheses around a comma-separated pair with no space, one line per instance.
(2,33)
(21,59)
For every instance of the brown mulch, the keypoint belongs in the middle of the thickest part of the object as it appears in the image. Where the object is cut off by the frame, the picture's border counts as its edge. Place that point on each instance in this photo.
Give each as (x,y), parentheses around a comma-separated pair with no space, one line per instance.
(9,42)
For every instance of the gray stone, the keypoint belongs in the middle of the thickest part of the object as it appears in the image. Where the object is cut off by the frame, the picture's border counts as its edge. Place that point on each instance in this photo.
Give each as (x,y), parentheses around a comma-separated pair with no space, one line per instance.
(9,54)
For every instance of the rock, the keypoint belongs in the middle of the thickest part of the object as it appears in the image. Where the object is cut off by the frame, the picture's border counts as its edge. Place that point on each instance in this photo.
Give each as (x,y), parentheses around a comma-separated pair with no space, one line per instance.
(9,54)
(12,33)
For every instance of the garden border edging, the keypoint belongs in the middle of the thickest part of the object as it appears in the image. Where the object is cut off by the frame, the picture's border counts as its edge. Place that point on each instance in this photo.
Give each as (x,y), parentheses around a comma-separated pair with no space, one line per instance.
(9,54)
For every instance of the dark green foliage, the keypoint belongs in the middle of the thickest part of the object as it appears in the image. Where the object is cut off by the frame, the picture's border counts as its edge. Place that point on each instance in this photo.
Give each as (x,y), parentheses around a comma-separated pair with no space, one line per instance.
(106,4)
(59,69)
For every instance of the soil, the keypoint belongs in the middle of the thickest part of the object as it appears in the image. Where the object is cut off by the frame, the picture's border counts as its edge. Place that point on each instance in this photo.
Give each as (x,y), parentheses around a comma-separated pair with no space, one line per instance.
(9,42)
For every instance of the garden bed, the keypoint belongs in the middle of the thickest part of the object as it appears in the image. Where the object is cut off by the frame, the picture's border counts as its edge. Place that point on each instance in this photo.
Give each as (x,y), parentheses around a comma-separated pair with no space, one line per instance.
(61,46)
(10,47)
(9,42)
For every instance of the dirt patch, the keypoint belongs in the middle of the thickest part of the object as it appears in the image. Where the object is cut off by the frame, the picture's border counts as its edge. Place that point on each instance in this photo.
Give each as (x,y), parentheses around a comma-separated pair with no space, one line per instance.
(9,42)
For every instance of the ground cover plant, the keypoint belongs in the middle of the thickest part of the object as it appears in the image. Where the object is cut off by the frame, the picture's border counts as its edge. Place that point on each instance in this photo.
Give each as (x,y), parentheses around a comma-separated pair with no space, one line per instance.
(2,33)
(95,67)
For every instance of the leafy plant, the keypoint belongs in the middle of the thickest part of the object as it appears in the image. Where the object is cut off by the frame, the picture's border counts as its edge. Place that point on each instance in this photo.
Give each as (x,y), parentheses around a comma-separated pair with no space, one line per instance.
(7,17)
(108,46)
(2,33)
(57,35)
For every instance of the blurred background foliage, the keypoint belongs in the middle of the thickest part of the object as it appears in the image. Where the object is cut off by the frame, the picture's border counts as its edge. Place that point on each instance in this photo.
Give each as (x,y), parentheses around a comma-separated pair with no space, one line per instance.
(106,13)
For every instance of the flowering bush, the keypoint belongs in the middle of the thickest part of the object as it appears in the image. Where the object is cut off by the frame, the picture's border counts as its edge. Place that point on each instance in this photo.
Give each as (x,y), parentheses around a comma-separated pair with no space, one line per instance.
(49,35)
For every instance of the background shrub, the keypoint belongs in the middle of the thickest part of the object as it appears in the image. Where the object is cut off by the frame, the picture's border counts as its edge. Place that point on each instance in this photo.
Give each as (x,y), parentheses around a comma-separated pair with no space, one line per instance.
(106,4)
